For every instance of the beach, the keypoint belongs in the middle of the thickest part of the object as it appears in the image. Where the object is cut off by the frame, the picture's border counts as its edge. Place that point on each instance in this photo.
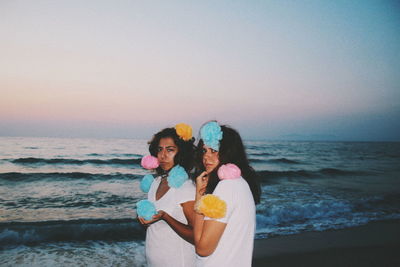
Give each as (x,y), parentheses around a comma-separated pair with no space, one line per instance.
(71,202)
(374,244)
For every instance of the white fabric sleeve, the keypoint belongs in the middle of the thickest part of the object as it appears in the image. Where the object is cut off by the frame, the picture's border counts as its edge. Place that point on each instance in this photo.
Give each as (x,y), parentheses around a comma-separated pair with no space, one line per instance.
(224,191)
(187,192)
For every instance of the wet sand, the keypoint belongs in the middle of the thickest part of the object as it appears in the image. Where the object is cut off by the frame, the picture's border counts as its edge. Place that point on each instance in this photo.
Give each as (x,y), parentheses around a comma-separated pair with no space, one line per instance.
(374,244)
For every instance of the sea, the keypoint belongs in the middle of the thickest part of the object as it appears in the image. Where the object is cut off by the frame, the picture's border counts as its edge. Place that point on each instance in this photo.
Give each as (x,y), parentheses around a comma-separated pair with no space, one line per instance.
(71,202)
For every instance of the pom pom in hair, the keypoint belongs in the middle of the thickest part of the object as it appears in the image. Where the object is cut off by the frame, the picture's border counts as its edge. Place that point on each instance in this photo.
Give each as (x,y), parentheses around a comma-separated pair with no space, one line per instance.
(184,131)
(229,171)
(149,162)
(177,176)
(145,209)
(146,182)
(211,206)
(211,134)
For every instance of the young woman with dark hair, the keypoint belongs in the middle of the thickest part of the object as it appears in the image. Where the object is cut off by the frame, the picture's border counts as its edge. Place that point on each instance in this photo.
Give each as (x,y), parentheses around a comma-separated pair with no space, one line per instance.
(169,235)
(225,239)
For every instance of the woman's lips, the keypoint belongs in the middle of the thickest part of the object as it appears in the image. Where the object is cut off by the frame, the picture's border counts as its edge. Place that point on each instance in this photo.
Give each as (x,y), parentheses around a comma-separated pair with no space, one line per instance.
(209,165)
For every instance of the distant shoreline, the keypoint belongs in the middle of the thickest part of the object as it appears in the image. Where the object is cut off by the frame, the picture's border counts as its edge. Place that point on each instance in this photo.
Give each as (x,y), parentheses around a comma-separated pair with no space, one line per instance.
(145,139)
(374,244)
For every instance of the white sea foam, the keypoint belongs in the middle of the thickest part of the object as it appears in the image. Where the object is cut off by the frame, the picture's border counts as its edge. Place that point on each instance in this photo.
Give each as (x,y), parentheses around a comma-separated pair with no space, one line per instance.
(76,254)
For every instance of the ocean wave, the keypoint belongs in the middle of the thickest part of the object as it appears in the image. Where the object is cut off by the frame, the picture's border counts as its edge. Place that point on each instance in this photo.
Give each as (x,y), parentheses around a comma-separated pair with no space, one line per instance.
(72,201)
(86,253)
(130,155)
(18,233)
(294,217)
(260,154)
(284,160)
(299,212)
(308,174)
(61,176)
(278,161)
(256,160)
(64,161)
(280,174)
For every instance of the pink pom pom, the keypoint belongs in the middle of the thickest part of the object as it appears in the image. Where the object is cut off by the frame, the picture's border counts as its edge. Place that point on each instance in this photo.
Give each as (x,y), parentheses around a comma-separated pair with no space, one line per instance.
(229,171)
(149,162)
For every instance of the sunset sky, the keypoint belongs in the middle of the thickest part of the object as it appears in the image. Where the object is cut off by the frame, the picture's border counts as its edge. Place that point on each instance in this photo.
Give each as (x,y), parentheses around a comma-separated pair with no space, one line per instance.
(323,70)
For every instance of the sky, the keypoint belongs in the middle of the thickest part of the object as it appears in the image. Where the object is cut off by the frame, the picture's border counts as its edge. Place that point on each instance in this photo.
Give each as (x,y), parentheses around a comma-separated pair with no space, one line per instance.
(306,70)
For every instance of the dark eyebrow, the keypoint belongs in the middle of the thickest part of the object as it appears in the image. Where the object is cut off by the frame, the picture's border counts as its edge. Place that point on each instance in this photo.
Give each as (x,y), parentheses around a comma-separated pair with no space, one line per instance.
(167,147)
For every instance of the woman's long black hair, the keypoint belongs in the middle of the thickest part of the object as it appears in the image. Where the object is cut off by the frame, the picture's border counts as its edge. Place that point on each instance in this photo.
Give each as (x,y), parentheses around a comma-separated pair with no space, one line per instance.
(231,150)
(185,155)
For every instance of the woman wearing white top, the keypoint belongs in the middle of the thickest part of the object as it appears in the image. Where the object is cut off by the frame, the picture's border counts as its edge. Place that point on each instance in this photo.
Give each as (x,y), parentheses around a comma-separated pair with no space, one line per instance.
(228,240)
(169,236)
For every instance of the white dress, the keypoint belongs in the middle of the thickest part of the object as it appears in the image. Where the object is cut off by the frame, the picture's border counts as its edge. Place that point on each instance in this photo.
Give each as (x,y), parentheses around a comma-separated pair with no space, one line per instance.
(235,248)
(164,247)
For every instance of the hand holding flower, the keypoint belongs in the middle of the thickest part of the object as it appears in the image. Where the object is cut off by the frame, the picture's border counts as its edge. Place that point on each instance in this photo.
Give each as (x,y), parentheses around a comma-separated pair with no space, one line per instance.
(159,216)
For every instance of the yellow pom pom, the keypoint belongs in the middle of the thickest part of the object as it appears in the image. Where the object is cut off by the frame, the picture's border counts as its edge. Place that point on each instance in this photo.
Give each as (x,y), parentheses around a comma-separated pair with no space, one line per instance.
(184,131)
(211,206)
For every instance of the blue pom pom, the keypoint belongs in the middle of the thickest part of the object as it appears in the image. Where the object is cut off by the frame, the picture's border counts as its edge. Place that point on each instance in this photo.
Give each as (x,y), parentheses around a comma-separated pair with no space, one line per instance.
(146,182)
(211,134)
(177,176)
(145,209)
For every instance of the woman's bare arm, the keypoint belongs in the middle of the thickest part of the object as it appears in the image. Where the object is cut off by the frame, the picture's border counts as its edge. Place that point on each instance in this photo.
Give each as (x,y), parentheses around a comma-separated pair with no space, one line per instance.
(206,233)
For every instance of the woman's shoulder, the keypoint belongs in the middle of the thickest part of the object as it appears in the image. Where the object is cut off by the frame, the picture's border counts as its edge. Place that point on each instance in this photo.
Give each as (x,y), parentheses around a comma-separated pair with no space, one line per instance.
(186,192)
(189,184)
(230,184)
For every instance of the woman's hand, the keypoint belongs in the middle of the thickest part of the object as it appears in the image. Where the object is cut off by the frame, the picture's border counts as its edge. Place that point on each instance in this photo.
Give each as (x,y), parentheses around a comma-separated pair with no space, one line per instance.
(159,216)
(201,183)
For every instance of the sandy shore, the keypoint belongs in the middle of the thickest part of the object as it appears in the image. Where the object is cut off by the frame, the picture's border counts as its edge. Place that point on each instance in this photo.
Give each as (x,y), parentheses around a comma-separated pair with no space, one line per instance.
(374,244)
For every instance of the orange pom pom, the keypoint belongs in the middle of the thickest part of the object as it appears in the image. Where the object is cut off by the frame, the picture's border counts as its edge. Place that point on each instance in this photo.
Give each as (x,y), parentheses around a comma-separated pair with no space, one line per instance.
(184,131)
(211,206)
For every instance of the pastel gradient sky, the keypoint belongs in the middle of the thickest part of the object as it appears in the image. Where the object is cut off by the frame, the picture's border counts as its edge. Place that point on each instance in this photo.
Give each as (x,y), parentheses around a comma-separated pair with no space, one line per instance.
(271,69)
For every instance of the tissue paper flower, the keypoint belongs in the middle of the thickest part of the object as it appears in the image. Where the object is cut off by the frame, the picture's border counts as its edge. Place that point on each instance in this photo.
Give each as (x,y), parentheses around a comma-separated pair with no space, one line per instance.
(149,162)
(146,182)
(228,172)
(211,206)
(177,176)
(211,134)
(184,131)
(145,209)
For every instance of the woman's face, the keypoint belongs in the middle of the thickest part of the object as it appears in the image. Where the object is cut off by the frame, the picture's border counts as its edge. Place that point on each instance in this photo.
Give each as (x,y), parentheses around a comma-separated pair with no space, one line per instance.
(166,152)
(210,158)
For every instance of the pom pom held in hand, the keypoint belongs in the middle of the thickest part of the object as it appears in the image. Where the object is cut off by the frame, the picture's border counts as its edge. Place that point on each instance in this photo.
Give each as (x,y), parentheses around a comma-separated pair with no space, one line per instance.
(211,206)
(229,171)
(211,134)
(149,162)
(184,131)
(177,176)
(146,182)
(145,209)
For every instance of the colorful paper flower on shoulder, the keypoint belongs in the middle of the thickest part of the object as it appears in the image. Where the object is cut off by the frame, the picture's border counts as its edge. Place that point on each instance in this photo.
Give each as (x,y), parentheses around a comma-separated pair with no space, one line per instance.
(145,209)
(211,206)
(177,176)
(146,182)
(184,131)
(211,134)
(149,162)
(229,172)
